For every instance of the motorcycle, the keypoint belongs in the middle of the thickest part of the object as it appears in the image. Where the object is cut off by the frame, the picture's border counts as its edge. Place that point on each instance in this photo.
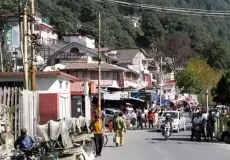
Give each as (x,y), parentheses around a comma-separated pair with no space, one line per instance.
(197,132)
(166,130)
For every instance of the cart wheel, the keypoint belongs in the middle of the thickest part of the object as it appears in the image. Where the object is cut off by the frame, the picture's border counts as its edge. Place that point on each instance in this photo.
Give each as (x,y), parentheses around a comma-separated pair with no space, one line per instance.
(105,139)
(90,147)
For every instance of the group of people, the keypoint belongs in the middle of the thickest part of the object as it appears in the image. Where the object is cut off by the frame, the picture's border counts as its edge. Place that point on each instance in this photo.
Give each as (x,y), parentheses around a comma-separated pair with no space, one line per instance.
(117,125)
(138,118)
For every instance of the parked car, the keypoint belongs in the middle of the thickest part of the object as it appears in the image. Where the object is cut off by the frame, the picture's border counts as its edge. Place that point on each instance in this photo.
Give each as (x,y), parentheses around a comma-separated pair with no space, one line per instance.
(179,121)
(109,114)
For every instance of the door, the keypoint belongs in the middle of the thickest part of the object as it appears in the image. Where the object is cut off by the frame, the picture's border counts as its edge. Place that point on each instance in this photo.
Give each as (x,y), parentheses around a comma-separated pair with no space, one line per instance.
(76,103)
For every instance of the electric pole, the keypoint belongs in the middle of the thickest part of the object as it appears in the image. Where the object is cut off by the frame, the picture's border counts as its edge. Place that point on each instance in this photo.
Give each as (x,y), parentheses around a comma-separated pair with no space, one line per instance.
(161,83)
(25,45)
(99,62)
(33,74)
(1,57)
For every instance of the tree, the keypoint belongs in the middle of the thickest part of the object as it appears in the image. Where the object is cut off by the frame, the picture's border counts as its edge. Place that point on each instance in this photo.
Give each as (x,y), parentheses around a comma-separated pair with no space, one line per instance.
(176,49)
(222,90)
(217,54)
(188,80)
(208,76)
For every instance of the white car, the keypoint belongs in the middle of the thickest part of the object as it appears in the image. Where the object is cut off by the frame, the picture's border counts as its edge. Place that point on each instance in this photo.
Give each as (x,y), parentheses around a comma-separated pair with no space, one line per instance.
(109,114)
(179,121)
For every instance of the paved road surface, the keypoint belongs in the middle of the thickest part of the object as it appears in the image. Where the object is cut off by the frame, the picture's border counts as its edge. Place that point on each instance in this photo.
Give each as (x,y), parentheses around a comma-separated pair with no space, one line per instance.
(146,145)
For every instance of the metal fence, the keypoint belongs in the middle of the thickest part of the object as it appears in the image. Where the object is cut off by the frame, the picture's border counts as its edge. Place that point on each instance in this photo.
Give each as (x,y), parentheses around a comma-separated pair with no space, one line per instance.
(221,124)
(12,102)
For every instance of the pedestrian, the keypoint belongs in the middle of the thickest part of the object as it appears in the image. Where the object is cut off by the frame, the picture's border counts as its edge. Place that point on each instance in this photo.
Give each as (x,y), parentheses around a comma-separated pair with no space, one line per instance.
(155,115)
(133,118)
(97,128)
(139,119)
(119,130)
(150,119)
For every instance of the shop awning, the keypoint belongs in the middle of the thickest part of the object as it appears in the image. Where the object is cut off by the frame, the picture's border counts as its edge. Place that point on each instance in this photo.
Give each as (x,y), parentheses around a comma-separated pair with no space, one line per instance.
(141,100)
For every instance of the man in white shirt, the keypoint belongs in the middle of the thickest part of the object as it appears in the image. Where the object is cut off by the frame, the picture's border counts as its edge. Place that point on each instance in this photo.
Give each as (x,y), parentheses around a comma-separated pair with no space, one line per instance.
(133,118)
(197,119)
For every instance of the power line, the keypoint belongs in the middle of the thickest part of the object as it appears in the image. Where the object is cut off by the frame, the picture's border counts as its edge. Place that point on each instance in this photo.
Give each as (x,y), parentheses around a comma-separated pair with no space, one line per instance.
(186,11)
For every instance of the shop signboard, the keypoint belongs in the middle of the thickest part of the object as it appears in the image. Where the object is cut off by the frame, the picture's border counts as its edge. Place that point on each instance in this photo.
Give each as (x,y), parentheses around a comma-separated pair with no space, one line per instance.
(148,79)
(121,80)
(8,34)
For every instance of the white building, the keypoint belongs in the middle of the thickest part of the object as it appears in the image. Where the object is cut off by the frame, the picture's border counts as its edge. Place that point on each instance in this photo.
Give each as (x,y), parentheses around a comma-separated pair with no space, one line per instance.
(45,30)
(55,96)
(84,40)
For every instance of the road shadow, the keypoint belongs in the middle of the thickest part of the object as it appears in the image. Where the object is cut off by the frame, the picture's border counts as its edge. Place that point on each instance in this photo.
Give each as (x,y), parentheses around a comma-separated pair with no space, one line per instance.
(185,139)
(110,146)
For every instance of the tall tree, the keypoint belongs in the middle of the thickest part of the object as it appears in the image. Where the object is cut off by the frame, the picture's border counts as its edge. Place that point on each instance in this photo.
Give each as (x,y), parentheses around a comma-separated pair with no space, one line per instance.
(176,50)
(188,80)
(222,91)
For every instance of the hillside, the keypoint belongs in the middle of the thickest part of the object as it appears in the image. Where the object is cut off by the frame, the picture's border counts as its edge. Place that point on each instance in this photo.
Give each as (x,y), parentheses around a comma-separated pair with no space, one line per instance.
(210,35)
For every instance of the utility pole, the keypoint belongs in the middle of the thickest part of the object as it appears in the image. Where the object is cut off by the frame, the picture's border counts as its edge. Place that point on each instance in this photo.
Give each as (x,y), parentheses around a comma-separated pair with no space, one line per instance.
(25,45)
(207,100)
(33,74)
(99,62)
(1,57)
(161,83)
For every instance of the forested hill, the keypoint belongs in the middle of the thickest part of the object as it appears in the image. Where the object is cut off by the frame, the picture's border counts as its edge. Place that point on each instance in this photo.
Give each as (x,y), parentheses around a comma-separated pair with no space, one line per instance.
(209,35)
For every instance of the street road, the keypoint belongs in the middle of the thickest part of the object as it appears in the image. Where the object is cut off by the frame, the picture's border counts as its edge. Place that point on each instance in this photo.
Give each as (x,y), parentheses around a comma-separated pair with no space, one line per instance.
(149,145)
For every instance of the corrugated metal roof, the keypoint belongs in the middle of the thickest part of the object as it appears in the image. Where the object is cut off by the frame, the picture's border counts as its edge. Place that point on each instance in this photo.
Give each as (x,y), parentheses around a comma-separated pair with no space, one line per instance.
(127,55)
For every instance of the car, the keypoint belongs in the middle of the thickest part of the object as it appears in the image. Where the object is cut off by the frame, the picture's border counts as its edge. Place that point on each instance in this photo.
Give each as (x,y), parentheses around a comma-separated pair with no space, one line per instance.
(109,114)
(179,121)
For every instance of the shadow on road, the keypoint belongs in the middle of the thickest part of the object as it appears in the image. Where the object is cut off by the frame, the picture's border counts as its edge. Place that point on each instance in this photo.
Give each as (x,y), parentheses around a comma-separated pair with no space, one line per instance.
(110,146)
(184,140)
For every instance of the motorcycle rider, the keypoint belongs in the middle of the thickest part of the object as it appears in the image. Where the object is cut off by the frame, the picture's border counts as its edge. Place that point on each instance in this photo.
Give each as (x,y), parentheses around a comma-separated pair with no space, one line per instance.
(168,119)
(196,121)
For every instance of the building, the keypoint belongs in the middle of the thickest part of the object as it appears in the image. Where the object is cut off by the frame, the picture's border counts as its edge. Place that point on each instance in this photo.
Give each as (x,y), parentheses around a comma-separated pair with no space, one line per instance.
(135,61)
(46,32)
(55,94)
(43,29)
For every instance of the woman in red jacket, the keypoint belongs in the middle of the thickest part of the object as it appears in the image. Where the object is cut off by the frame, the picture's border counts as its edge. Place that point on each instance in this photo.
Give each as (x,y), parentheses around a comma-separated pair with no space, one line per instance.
(150,119)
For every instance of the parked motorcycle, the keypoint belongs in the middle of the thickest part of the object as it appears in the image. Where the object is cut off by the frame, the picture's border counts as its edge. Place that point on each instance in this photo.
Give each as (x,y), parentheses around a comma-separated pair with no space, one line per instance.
(165,129)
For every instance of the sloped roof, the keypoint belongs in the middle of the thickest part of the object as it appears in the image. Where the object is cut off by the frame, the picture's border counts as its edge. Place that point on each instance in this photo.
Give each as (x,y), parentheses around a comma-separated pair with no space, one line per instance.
(93,66)
(55,49)
(127,55)
(40,74)
(71,45)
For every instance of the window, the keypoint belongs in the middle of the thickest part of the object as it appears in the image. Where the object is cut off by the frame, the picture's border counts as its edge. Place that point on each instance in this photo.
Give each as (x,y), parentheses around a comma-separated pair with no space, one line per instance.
(66,85)
(109,112)
(60,84)
(57,60)
(74,50)
(115,76)
(94,75)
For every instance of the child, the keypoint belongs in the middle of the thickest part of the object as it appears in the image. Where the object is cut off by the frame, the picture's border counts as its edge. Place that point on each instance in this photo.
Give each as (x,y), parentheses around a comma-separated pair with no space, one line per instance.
(111,126)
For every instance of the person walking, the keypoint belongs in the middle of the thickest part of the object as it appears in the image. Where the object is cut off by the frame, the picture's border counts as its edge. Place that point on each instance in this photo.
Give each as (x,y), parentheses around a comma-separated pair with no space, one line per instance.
(133,118)
(97,128)
(155,114)
(139,119)
(119,130)
(150,119)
